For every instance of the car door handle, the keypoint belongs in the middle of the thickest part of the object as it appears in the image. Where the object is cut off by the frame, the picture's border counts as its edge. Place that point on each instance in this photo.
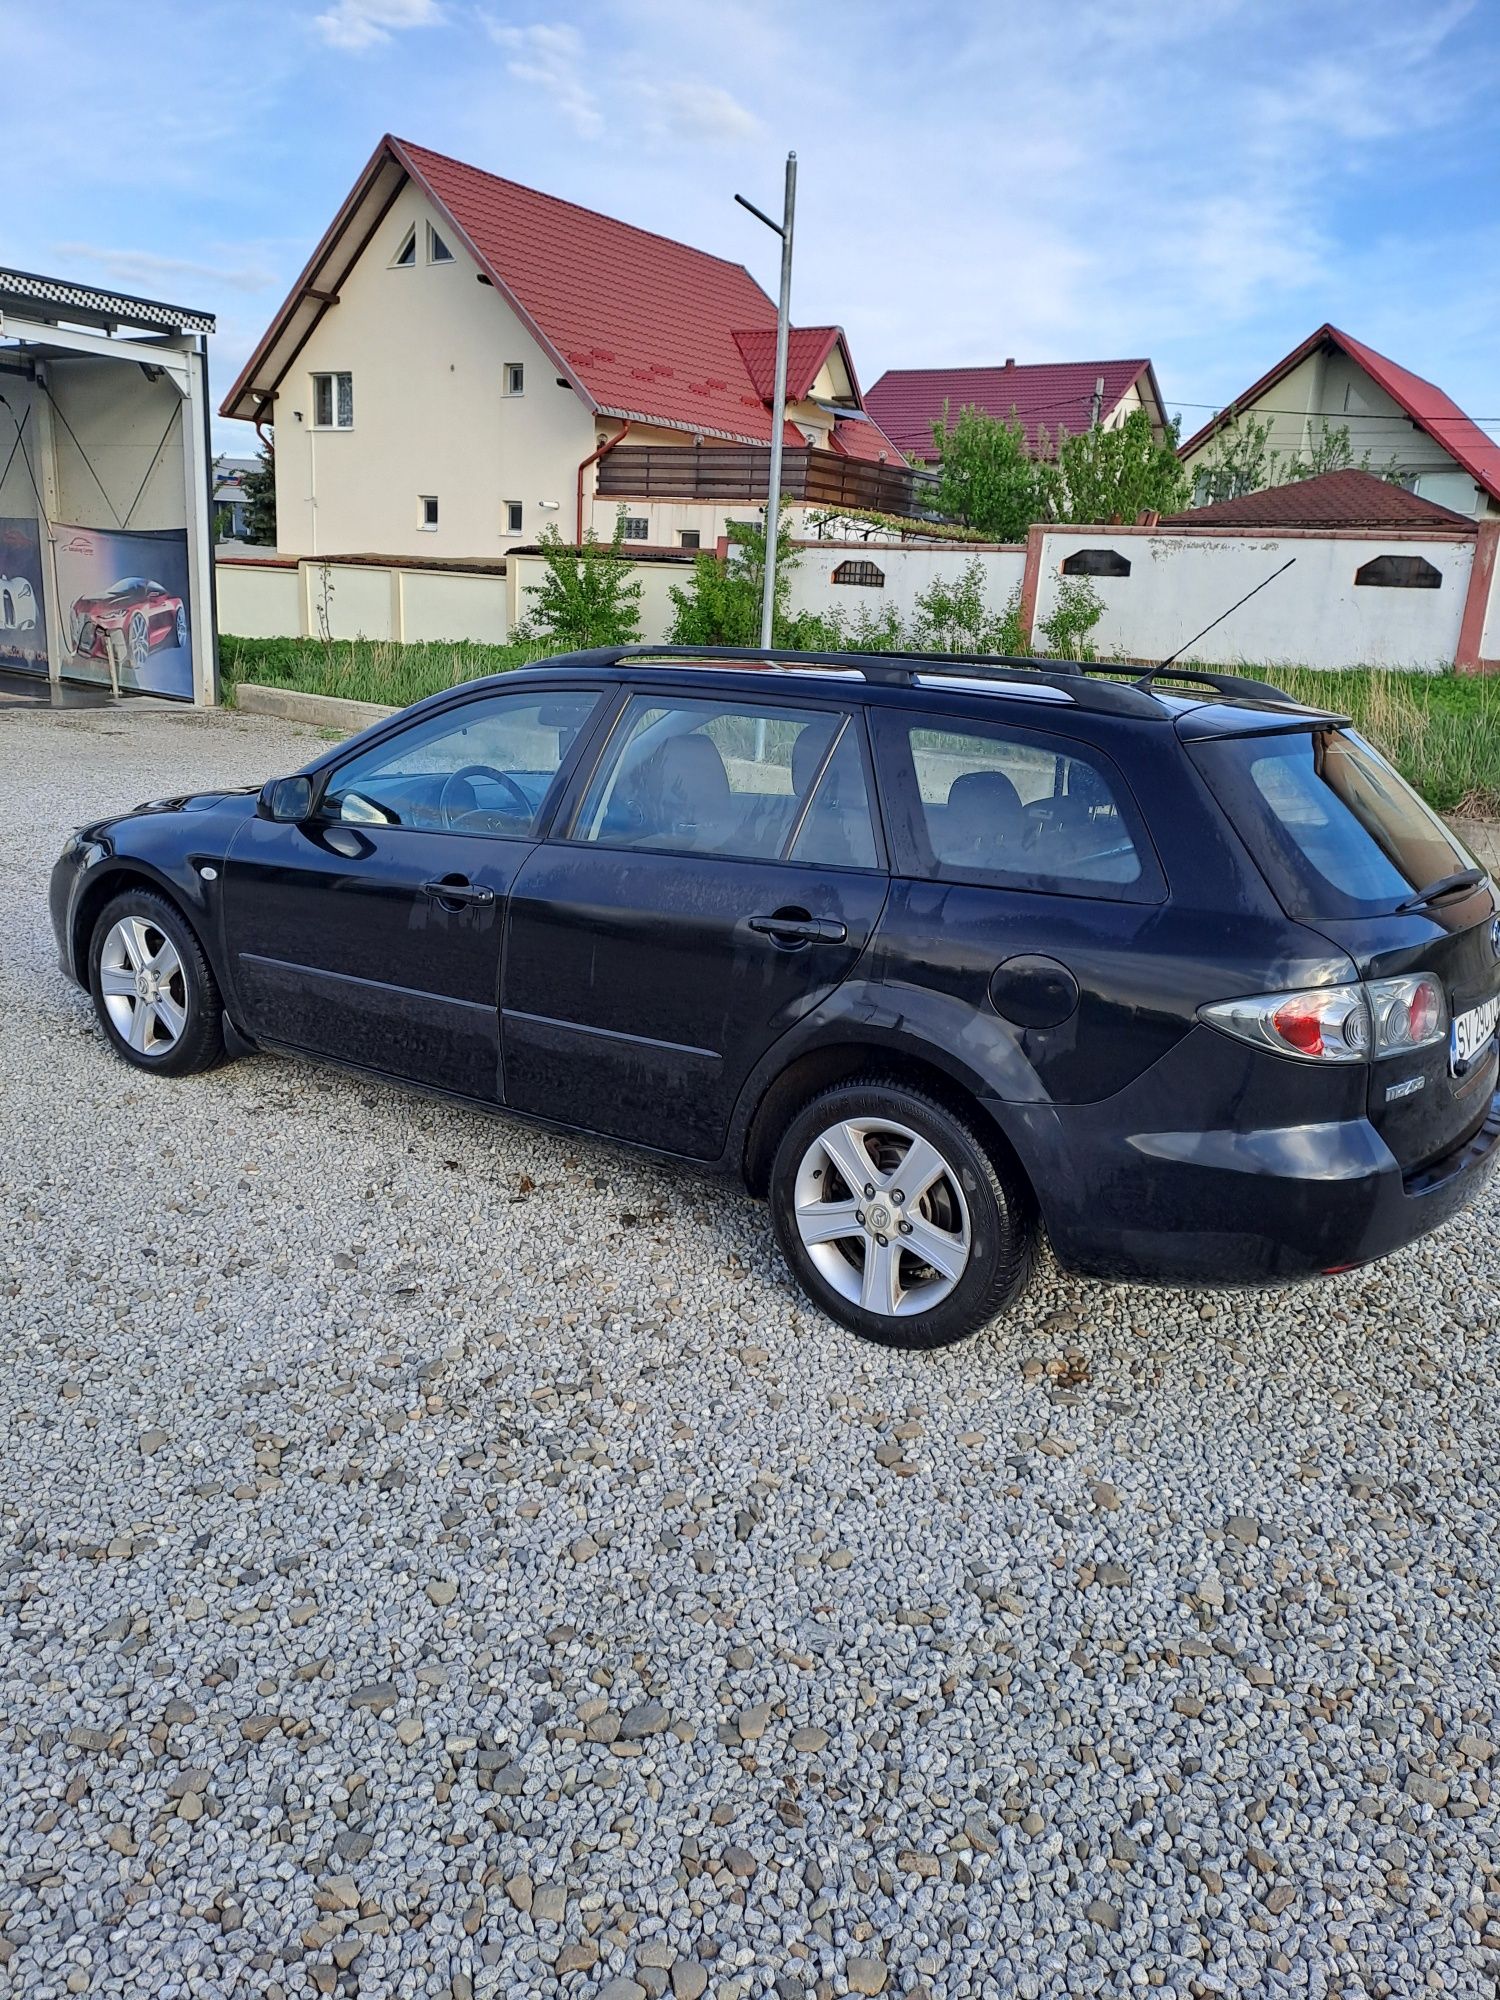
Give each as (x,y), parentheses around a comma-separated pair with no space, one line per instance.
(453,889)
(800,930)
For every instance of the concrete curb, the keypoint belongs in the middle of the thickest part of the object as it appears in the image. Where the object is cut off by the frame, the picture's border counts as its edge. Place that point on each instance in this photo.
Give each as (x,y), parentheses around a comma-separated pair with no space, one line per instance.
(327,711)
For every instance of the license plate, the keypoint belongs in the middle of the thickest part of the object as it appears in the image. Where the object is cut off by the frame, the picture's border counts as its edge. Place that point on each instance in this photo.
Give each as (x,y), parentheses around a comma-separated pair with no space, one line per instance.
(1471,1031)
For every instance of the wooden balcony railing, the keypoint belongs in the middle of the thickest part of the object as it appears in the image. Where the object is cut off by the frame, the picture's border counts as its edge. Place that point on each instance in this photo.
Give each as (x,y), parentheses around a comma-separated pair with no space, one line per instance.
(741,472)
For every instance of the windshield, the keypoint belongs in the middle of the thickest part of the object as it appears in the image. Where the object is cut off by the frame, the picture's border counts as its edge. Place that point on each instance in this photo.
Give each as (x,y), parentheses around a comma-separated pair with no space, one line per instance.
(127,586)
(1336,830)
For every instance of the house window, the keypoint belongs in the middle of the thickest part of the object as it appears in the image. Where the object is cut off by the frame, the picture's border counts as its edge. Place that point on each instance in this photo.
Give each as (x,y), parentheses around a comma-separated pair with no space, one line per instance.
(437,250)
(428,515)
(333,402)
(865,573)
(515,378)
(1399,573)
(406,256)
(690,538)
(1096,562)
(514,515)
(637,528)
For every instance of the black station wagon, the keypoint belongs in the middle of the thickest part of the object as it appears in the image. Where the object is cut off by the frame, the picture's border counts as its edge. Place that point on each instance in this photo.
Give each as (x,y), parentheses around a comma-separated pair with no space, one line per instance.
(936,954)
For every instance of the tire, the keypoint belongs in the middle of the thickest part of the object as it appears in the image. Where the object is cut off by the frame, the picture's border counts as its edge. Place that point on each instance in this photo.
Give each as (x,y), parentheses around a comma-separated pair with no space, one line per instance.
(138,641)
(974,1215)
(173,1022)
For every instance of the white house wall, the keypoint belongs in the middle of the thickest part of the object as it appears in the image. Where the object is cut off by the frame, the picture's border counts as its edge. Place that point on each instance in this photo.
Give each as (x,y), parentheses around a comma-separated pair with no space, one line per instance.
(427,346)
(1314,615)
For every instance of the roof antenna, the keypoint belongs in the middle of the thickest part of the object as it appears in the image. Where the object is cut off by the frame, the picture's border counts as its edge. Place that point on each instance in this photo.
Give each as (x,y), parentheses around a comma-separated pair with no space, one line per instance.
(1162,665)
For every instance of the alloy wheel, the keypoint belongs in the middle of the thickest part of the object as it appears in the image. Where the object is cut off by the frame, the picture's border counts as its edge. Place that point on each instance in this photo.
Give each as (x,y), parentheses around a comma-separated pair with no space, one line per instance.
(139,639)
(144,986)
(881,1214)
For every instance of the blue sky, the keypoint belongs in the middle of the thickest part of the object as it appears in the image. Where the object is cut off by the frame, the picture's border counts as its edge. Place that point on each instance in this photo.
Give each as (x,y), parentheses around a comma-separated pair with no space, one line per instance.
(1202,182)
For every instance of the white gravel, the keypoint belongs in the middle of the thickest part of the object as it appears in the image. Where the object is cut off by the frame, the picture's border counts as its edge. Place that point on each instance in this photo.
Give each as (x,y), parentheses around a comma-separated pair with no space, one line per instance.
(440,1559)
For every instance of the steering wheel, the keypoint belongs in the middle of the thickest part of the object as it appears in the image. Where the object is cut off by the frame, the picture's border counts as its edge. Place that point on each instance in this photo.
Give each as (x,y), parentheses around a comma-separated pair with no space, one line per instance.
(502,778)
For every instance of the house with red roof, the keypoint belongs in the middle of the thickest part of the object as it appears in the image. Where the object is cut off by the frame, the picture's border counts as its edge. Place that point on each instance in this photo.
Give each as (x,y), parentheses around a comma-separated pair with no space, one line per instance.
(1046,397)
(462,354)
(1411,431)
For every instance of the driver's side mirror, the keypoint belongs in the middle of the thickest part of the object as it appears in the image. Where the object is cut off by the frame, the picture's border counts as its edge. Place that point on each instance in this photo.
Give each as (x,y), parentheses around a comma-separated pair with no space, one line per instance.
(288,799)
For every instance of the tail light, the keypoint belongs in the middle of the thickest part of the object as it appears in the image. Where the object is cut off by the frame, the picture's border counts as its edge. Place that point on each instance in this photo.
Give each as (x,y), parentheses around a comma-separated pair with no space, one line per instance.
(1322,1024)
(1382,1017)
(1407,1013)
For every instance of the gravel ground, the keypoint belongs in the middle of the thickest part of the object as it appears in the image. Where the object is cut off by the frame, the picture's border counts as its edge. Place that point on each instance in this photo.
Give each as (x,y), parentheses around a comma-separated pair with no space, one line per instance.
(444,1560)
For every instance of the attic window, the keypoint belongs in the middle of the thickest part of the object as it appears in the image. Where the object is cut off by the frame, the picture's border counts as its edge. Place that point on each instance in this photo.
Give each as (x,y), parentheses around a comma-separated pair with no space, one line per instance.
(865,573)
(406,256)
(515,378)
(437,250)
(1399,573)
(1096,562)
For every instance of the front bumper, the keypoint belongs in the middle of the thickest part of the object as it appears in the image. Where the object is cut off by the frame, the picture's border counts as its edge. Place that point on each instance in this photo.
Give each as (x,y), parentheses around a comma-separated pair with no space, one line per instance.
(1249,1203)
(62,893)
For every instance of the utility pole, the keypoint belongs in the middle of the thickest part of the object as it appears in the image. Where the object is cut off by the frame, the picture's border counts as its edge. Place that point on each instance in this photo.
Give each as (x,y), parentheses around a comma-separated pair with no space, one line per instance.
(783,229)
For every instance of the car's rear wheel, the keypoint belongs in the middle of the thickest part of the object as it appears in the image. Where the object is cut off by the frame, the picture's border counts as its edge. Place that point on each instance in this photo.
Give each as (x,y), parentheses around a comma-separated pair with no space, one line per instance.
(181,628)
(896,1219)
(154,991)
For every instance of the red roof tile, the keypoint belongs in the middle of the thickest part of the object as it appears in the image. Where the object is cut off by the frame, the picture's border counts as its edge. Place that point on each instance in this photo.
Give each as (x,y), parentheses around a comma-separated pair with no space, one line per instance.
(907,402)
(642,326)
(1348,499)
(1423,401)
(807,348)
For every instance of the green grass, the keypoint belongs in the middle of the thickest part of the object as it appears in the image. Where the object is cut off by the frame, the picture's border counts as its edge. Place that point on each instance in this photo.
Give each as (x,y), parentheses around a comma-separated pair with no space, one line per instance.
(364,669)
(1441,731)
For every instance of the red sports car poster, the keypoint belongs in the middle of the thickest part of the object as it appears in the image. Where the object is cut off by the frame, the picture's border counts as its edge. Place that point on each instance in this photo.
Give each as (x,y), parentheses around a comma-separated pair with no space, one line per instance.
(23,623)
(124,604)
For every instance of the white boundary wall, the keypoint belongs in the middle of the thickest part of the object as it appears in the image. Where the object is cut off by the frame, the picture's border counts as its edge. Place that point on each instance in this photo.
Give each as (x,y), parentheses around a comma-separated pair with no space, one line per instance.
(908,570)
(1314,615)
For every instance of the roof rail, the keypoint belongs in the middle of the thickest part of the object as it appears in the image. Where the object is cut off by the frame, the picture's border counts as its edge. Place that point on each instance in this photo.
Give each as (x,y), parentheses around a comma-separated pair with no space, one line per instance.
(1112,689)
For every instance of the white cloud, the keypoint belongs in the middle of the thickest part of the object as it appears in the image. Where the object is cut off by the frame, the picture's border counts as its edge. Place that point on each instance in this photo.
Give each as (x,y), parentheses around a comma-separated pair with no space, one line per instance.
(148,268)
(691,113)
(551,60)
(361,24)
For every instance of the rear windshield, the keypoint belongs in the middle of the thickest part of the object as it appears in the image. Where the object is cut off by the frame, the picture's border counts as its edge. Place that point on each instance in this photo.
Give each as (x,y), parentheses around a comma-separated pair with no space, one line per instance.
(1336,830)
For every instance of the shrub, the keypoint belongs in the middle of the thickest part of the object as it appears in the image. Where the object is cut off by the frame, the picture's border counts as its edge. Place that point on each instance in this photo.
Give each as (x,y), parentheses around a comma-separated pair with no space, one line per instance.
(588,596)
(1077,611)
(721,604)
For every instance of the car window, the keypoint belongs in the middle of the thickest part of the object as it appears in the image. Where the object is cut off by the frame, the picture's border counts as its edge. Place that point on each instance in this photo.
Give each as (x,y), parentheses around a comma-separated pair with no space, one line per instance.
(1017,810)
(706,777)
(484,767)
(1339,833)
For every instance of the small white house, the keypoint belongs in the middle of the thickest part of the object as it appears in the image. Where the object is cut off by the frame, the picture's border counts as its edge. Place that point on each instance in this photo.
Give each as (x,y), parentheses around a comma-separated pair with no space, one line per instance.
(1405,423)
(461,354)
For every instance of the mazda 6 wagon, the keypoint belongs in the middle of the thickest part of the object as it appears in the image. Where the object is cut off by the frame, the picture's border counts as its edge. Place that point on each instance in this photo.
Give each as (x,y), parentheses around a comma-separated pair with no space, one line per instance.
(935,954)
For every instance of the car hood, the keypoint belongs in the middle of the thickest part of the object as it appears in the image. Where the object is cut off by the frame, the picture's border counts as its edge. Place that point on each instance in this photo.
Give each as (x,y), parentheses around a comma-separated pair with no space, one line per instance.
(243,796)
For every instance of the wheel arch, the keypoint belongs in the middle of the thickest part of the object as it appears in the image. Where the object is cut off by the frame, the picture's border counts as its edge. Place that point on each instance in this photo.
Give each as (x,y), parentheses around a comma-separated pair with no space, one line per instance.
(112,879)
(816,1069)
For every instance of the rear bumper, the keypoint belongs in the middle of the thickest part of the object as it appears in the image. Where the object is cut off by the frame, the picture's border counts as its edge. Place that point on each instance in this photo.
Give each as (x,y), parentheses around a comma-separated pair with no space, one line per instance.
(1257,1207)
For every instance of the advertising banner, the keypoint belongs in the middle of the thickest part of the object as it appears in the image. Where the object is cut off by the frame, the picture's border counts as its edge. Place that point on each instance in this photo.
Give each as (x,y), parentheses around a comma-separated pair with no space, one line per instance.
(23,620)
(124,602)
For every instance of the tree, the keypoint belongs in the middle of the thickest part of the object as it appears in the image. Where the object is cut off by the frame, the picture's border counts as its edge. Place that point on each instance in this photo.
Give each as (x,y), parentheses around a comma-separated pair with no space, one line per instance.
(260,500)
(987,478)
(1113,475)
(1239,459)
(588,596)
(721,604)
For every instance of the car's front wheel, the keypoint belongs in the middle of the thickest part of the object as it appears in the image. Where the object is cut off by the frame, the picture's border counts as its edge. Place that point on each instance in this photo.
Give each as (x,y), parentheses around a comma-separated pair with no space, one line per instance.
(896,1219)
(154,991)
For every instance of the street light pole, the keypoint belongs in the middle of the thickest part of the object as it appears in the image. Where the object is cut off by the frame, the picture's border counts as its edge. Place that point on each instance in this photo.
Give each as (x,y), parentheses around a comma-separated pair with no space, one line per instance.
(778,394)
